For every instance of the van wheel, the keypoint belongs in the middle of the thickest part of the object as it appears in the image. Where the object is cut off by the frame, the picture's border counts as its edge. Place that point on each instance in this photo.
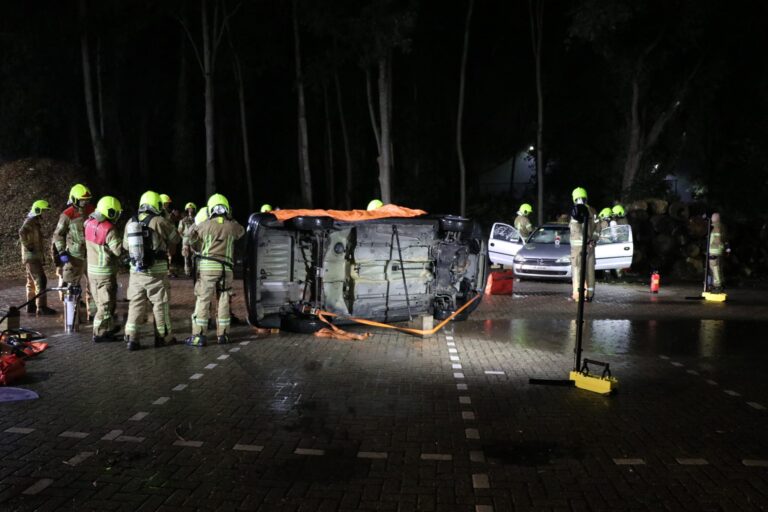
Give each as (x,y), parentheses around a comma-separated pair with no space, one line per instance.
(457,224)
(312,223)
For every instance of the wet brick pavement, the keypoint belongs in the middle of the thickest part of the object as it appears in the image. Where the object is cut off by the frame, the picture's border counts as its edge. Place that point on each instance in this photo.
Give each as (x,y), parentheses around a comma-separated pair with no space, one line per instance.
(290,422)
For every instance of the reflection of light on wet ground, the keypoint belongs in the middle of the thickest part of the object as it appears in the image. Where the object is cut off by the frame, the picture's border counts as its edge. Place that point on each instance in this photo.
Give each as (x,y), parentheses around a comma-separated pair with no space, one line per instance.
(711,334)
(611,336)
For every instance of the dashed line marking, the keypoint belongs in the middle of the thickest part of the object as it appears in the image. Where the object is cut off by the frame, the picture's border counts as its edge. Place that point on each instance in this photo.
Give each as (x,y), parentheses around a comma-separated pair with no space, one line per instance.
(461,387)
(629,462)
(477,456)
(235,349)
(223,357)
(449,337)
(472,433)
(19,430)
(129,439)
(211,366)
(162,400)
(244,343)
(458,375)
(180,387)
(196,376)
(138,416)
(372,455)
(692,462)
(692,372)
(465,400)
(456,366)
(309,451)
(711,382)
(467,415)
(675,363)
(755,405)
(112,435)
(755,463)
(731,392)
(455,358)
(453,350)
(494,372)
(188,444)
(74,435)
(436,456)
(80,457)
(38,486)
(248,447)
(480,481)
(664,357)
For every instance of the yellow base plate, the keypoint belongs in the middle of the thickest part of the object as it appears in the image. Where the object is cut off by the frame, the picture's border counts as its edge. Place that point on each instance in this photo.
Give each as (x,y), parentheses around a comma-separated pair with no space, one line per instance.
(604,386)
(714,297)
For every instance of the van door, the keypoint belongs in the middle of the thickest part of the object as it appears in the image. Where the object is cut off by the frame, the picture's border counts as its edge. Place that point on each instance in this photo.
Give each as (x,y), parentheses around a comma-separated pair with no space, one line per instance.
(614,248)
(504,243)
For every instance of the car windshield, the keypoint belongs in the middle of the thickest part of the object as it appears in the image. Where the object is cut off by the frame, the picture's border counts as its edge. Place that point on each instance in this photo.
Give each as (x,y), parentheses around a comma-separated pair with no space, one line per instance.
(550,234)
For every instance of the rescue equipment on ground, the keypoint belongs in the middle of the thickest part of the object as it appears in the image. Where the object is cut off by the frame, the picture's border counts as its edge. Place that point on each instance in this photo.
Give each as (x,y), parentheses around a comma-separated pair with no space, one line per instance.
(580,376)
(500,282)
(655,282)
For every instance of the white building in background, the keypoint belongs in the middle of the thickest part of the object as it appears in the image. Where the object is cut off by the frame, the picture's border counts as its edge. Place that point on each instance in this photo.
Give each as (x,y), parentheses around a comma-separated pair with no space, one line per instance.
(515,177)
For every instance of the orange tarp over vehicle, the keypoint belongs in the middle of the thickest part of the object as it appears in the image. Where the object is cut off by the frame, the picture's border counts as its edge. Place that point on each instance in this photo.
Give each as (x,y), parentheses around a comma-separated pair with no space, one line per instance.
(388,210)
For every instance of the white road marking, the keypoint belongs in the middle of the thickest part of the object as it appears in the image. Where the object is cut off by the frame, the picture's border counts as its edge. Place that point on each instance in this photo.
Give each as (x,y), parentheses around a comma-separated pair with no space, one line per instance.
(467,415)
(19,430)
(629,462)
(455,358)
(162,400)
(461,387)
(248,447)
(129,439)
(235,349)
(372,455)
(471,433)
(112,435)
(456,366)
(38,486)
(138,416)
(180,387)
(223,357)
(756,405)
(480,481)
(196,376)
(458,375)
(465,400)
(211,366)
(188,444)
(244,343)
(74,435)
(675,363)
(308,451)
(711,382)
(692,462)
(80,457)
(494,372)
(731,392)
(755,463)
(453,351)
(436,456)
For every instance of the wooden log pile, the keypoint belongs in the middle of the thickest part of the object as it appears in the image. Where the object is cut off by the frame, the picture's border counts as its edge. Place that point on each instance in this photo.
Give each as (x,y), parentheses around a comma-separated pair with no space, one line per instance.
(672,237)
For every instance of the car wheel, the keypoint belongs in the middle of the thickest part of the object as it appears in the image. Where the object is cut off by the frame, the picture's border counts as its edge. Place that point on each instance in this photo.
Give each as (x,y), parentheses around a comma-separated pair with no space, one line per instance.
(457,224)
(312,223)
(300,323)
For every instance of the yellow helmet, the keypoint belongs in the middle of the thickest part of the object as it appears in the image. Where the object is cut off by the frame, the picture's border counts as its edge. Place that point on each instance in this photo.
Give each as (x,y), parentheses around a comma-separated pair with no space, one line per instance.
(79,195)
(579,193)
(218,205)
(266,208)
(165,199)
(109,207)
(525,209)
(150,201)
(618,210)
(190,206)
(374,204)
(202,215)
(39,206)
(605,213)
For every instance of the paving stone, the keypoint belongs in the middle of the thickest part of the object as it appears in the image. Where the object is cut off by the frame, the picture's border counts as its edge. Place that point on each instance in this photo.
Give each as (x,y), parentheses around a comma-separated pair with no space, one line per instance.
(629,462)
(480,481)
(436,456)
(692,462)
(74,435)
(138,416)
(19,430)
(38,486)
(188,444)
(372,455)
(309,451)
(248,447)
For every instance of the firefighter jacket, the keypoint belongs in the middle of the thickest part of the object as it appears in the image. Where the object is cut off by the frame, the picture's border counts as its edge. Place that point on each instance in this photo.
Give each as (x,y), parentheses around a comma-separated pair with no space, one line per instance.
(165,239)
(185,225)
(216,238)
(717,239)
(69,234)
(577,229)
(523,226)
(31,239)
(103,246)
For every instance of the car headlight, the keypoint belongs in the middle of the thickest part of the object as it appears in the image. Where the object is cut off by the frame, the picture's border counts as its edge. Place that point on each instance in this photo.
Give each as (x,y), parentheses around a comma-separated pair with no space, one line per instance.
(519,258)
(564,259)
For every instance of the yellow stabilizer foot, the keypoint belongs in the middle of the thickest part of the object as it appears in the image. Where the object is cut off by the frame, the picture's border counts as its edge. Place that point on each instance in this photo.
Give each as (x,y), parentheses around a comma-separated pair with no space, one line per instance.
(601,385)
(714,297)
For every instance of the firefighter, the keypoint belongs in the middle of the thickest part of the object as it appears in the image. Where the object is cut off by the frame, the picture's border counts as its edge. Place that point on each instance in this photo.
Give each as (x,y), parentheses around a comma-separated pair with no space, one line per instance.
(185,224)
(103,246)
(266,208)
(148,238)
(375,204)
(217,236)
(619,215)
(33,257)
(173,216)
(578,237)
(718,247)
(69,239)
(605,217)
(522,224)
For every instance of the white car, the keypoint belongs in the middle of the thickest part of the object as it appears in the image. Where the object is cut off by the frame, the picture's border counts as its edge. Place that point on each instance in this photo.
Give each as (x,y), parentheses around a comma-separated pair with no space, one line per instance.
(547,252)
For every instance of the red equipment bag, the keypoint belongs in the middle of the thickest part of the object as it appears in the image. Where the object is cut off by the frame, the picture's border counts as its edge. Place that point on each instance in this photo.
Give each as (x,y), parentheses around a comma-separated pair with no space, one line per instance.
(11,369)
(500,283)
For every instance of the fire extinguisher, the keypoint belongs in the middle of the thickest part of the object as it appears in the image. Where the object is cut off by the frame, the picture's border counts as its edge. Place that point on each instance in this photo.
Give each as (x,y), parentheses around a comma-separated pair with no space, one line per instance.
(655,282)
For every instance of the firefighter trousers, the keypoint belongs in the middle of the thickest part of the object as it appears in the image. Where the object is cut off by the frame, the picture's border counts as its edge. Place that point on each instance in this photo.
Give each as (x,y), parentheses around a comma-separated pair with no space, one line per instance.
(205,291)
(104,293)
(716,271)
(576,271)
(36,282)
(144,289)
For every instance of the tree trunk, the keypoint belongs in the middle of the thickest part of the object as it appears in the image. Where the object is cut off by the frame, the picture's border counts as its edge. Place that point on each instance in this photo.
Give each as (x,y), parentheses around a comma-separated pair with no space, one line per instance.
(244,132)
(385,166)
(634,142)
(182,136)
(306,177)
(99,87)
(345,139)
(372,110)
(537,30)
(210,134)
(330,182)
(99,153)
(460,116)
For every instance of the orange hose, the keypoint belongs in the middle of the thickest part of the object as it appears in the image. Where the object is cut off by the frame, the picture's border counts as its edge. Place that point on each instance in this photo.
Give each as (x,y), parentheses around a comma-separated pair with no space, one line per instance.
(418,332)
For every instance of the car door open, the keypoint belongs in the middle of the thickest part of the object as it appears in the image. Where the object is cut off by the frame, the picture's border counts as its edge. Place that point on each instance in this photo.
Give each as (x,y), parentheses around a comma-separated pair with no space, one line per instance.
(504,243)
(614,248)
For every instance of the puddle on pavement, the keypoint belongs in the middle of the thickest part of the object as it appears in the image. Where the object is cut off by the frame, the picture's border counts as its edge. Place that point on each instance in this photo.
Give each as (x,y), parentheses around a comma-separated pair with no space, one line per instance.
(700,338)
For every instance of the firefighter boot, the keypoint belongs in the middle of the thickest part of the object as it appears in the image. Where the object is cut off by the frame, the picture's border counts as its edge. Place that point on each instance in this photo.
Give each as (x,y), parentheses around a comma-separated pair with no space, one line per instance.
(132,344)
